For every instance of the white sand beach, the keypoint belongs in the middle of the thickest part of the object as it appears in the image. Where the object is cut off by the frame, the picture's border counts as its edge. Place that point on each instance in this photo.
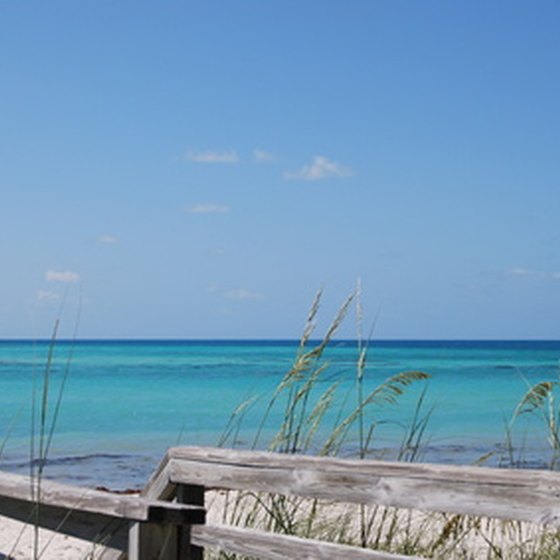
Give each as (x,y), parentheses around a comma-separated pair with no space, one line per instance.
(17,542)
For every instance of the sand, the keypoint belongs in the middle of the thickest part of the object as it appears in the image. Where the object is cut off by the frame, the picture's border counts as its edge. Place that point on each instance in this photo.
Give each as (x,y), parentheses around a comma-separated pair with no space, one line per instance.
(16,541)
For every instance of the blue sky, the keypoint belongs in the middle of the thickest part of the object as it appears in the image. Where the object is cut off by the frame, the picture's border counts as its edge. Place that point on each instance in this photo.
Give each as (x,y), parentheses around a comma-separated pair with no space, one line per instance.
(199,169)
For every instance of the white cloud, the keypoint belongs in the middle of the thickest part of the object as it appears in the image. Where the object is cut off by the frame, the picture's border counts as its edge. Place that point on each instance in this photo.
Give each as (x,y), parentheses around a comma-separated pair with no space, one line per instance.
(541,274)
(229,156)
(61,276)
(242,294)
(319,168)
(261,156)
(518,271)
(107,239)
(208,208)
(45,296)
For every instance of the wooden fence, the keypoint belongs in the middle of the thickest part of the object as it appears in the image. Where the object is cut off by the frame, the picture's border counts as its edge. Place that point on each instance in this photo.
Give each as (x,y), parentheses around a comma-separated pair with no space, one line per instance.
(167,521)
(103,518)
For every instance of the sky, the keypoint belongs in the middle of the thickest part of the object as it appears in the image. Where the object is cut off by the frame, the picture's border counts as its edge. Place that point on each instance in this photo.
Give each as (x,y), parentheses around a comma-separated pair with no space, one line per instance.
(199,169)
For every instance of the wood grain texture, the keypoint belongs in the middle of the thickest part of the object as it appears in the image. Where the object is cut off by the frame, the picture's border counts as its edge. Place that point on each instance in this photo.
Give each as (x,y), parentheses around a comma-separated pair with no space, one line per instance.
(85,500)
(524,495)
(272,546)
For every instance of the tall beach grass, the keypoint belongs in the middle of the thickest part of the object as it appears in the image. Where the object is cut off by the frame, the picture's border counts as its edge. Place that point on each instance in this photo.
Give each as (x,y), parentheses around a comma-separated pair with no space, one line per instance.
(305,401)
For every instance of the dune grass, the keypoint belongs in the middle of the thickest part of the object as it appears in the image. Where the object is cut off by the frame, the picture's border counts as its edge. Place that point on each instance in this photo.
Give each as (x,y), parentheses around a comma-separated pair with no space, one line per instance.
(307,401)
(539,404)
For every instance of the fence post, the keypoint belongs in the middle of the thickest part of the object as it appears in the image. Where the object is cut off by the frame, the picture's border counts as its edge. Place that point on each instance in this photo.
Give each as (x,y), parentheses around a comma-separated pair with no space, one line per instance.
(193,495)
(153,541)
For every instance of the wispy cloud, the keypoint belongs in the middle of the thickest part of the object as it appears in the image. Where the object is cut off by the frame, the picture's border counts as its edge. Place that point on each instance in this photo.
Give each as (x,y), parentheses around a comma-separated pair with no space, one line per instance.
(65,276)
(242,294)
(319,168)
(229,156)
(208,208)
(261,156)
(107,239)
(541,274)
(518,271)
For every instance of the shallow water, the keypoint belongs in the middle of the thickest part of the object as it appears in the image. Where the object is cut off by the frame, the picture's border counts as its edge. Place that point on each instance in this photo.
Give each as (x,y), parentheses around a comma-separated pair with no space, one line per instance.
(125,402)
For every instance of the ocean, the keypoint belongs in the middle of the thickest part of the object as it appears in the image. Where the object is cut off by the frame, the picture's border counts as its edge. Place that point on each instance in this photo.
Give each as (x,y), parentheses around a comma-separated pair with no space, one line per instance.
(125,402)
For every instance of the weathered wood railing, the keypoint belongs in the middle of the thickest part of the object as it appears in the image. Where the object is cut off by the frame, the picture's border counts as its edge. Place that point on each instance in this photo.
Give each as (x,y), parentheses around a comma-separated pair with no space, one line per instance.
(108,520)
(170,510)
(522,495)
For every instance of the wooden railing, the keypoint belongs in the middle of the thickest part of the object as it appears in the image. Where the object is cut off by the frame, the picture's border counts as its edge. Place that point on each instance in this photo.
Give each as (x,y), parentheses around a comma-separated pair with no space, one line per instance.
(167,520)
(522,495)
(109,520)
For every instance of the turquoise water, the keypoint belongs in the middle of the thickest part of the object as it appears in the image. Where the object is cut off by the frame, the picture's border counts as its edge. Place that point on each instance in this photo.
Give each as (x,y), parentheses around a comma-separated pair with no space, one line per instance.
(125,402)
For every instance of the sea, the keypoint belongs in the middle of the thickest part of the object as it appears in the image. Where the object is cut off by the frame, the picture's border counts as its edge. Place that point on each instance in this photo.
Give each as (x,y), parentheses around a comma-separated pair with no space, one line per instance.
(103,412)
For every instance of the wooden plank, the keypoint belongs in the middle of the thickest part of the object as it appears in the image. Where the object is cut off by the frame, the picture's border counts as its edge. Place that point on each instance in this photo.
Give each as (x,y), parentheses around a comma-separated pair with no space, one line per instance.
(274,546)
(96,528)
(173,513)
(159,486)
(133,508)
(524,495)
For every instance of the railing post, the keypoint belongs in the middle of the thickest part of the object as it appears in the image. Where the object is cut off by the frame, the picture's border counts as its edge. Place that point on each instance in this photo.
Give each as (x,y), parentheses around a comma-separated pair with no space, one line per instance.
(193,495)
(153,541)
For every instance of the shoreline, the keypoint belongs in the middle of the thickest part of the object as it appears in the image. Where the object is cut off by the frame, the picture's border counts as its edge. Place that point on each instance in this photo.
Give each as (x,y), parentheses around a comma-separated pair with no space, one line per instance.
(131,471)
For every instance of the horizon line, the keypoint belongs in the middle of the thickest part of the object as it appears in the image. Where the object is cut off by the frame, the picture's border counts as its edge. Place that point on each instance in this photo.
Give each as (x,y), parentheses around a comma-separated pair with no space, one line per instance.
(268,339)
